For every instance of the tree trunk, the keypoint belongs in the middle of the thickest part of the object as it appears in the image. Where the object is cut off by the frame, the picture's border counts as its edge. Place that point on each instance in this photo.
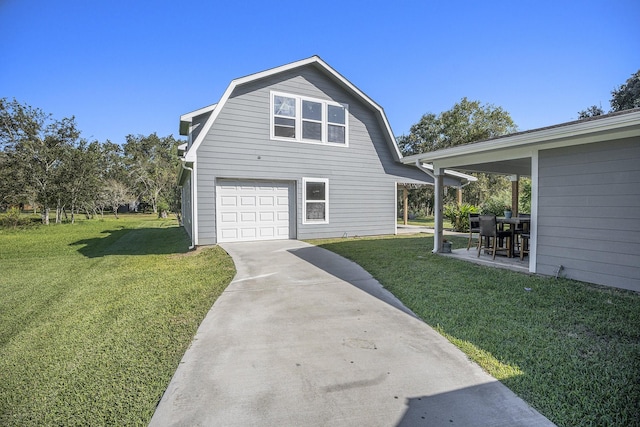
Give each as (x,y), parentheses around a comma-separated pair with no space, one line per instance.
(45,215)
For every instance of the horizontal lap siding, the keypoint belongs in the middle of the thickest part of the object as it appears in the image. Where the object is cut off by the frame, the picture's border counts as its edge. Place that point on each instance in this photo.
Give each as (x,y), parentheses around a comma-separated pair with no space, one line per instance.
(197,123)
(361,194)
(589,199)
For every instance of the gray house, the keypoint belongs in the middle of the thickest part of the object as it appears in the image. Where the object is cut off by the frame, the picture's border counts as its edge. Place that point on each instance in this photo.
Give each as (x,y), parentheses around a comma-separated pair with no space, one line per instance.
(585,206)
(294,152)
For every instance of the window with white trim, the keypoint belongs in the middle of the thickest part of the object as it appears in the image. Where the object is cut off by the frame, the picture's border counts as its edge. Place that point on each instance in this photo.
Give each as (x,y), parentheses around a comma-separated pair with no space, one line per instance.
(303,119)
(316,200)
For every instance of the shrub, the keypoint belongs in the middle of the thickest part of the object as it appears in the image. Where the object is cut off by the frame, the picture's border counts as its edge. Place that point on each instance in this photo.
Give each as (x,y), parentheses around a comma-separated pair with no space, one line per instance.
(494,206)
(13,219)
(459,215)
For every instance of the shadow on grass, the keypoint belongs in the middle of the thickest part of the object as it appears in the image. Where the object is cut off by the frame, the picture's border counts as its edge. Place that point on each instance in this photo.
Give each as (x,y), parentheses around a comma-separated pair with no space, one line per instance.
(350,272)
(138,241)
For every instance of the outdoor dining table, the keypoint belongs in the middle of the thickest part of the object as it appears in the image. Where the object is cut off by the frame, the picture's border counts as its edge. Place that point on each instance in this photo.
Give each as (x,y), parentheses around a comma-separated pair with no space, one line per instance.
(513,223)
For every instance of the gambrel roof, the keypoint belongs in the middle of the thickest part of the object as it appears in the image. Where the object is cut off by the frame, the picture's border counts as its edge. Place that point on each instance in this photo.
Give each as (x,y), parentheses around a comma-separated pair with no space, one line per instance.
(189,155)
(314,61)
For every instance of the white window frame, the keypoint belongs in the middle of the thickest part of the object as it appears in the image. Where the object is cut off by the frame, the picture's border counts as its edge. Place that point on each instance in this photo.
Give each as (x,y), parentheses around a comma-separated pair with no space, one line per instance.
(299,120)
(325,181)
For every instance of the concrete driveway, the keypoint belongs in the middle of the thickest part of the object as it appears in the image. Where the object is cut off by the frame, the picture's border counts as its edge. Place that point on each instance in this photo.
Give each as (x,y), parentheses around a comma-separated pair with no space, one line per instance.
(303,337)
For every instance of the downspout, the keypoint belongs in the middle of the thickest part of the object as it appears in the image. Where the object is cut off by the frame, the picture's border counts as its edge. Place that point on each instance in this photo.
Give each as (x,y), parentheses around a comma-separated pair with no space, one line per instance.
(437,180)
(194,228)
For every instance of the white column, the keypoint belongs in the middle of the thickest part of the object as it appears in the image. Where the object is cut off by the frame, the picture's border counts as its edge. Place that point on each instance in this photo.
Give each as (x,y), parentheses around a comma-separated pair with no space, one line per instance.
(437,236)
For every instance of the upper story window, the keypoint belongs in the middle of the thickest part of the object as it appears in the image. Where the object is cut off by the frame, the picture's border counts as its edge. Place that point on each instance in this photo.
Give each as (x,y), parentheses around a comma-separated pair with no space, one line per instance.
(305,119)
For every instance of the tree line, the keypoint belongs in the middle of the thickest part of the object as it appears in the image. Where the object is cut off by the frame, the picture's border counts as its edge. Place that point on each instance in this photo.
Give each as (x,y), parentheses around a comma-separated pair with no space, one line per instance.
(467,121)
(624,97)
(471,121)
(46,164)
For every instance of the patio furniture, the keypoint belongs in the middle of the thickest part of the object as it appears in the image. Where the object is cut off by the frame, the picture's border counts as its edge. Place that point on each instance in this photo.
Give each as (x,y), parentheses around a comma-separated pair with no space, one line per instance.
(474,226)
(522,227)
(524,244)
(515,223)
(490,235)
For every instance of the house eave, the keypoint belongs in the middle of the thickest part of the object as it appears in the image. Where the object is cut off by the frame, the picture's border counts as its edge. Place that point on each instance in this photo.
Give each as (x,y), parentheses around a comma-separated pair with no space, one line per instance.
(614,126)
(186,119)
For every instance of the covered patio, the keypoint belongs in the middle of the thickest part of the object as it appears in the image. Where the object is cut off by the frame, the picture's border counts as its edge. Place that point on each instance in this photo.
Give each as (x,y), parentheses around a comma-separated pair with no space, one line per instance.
(584,194)
(514,164)
(471,255)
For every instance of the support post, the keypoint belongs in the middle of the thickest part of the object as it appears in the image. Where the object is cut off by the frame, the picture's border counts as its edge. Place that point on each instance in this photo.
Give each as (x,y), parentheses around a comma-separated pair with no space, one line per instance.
(514,194)
(405,206)
(437,237)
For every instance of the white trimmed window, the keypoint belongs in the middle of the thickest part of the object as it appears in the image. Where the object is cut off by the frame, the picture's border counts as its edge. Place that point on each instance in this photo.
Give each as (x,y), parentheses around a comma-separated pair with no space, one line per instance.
(311,120)
(316,200)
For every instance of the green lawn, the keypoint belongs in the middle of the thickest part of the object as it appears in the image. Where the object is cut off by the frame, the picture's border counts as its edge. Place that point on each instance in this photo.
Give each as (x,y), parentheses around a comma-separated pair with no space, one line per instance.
(570,349)
(95,317)
(427,221)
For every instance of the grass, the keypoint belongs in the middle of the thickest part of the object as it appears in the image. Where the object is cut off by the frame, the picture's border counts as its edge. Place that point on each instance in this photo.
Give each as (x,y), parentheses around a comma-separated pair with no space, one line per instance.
(95,317)
(570,349)
(427,221)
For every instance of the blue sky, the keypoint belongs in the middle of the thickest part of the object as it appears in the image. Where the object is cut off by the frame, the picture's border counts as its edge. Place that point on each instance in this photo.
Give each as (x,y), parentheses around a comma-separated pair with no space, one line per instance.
(133,67)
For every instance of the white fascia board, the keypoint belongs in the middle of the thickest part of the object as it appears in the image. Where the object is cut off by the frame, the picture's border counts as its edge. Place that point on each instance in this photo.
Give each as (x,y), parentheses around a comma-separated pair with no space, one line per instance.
(267,73)
(575,133)
(452,173)
(186,119)
(189,116)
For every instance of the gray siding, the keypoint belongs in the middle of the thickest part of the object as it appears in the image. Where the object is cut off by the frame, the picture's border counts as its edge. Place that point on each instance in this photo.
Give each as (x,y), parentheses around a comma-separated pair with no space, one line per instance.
(197,123)
(361,176)
(589,200)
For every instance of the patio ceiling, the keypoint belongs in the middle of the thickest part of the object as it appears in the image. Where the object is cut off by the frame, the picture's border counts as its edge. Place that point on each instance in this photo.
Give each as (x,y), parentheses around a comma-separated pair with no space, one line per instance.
(521,167)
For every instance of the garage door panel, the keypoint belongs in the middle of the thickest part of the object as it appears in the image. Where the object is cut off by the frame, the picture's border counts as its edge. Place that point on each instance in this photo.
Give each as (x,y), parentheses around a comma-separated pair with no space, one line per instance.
(248,201)
(247,217)
(266,201)
(230,234)
(267,232)
(229,217)
(229,201)
(267,216)
(248,211)
(248,233)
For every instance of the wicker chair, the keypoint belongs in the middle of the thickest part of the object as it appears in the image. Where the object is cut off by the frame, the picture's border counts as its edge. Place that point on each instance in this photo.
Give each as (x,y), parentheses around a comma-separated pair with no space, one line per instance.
(490,236)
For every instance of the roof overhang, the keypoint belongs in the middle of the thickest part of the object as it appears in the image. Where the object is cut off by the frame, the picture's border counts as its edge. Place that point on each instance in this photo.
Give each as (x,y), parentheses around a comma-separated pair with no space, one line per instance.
(186,119)
(511,154)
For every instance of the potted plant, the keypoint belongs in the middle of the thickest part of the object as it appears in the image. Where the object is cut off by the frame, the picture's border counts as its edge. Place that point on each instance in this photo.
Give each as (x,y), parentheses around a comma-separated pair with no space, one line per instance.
(507,211)
(446,246)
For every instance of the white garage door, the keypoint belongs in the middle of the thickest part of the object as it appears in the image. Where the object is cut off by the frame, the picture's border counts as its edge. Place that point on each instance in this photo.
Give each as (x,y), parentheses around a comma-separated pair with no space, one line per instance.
(252,210)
